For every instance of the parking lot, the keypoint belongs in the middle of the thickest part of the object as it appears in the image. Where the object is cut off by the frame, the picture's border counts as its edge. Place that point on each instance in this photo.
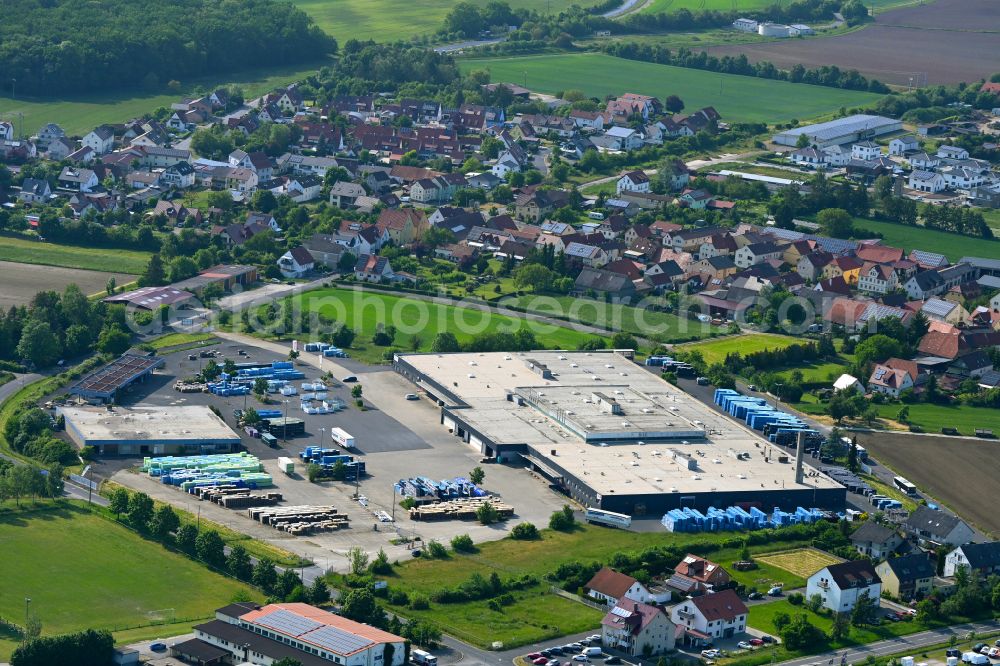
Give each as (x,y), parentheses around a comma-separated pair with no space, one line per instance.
(397,438)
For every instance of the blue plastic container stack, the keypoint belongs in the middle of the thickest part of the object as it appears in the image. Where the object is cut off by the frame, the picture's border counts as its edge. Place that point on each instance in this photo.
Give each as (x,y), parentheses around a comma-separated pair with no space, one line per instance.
(730,518)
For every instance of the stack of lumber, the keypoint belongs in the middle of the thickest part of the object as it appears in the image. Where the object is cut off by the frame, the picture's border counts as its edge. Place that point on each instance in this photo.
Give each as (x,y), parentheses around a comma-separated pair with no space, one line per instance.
(233,497)
(459,509)
(300,519)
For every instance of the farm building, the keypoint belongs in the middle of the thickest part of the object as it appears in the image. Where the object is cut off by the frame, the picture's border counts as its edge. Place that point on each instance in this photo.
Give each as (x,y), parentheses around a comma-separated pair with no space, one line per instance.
(150,298)
(859,127)
(227,277)
(147,430)
(103,385)
(610,434)
(300,632)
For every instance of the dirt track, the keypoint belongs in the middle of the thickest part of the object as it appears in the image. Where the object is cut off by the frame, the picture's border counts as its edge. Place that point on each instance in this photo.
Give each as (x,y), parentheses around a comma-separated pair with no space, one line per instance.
(962,473)
(942,42)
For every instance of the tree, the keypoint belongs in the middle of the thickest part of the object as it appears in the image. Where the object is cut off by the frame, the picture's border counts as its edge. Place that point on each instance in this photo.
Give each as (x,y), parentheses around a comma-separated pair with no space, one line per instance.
(673,104)
(524,532)
(113,340)
(841,627)
(876,348)
(865,609)
(260,388)
(357,390)
(622,340)
(445,342)
(800,633)
(319,592)
(38,344)
(118,501)
(477,475)
(181,268)
(358,560)
(836,222)
(802,141)
(264,576)
(487,514)
(533,276)
(211,548)
(814,602)
(359,605)
(238,562)
(186,536)
(140,511)
(154,275)
(111,285)
(463,544)
(852,455)
(287,661)
(562,520)
(781,620)
(380,565)
(165,522)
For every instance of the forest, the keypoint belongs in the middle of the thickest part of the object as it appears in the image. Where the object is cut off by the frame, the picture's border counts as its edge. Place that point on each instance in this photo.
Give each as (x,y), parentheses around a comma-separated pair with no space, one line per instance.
(56,47)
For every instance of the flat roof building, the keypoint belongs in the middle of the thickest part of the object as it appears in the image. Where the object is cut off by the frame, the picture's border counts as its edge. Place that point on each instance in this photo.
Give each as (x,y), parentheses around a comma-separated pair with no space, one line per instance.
(610,433)
(150,298)
(149,430)
(849,129)
(103,384)
(226,277)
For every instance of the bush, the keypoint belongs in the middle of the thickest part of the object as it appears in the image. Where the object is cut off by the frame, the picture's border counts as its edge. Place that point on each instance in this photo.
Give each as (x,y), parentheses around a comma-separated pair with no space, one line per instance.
(524,532)
(463,544)
(436,550)
(420,602)
(796,598)
(563,520)
(397,597)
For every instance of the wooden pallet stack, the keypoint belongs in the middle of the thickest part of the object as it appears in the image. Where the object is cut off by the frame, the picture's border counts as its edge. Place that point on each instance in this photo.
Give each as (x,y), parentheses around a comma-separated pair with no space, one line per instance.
(233,497)
(463,508)
(300,519)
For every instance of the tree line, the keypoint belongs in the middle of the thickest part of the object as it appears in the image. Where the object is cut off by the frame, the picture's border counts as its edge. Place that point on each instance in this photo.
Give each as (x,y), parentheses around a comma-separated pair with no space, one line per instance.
(75,45)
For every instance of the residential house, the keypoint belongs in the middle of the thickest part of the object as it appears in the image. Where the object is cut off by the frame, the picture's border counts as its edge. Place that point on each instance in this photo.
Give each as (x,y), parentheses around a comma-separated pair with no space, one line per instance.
(879,254)
(810,266)
(907,577)
(299,189)
(325,250)
(941,310)
(157,157)
(720,267)
(903,144)
(689,240)
(876,541)
(47,134)
(632,181)
(6,131)
(437,189)
(980,559)
(756,253)
(706,572)
(34,190)
(623,138)
(866,150)
(963,178)
(844,266)
(404,225)
(538,204)
(710,616)
(695,199)
(848,384)
(639,630)
(938,527)
(372,268)
(924,284)
(890,381)
(306,164)
(842,585)
(101,140)
(952,152)
(924,161)
(60,148)
(78,180)
(593,120)
(926,181)
(241,182)
(618,288)
(180,175)
(877,278)
(612,587)
(296,263)
(591,256)
(718,245)
(345,195)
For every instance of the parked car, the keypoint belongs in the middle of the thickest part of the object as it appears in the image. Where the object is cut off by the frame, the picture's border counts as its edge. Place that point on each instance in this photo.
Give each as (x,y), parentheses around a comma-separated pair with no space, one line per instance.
(710,654)
(552,662)
(985,650)
(754,596)
(540,661)
(349,379)
(756,642)
(596,638)
(953,652)
(767,639)
(546,653)
(534,655)
(751,387)
(775,591)
(744,645)
(556,650)
(702,381)
(978,646)
(613,660)
(580,657)
(412,396)
(158,646)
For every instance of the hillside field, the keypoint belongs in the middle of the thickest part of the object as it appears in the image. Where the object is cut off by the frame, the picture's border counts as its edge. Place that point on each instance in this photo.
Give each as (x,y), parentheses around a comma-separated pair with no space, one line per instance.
(79,115)
(657,6)
(954,246)
(27,251)
(737,98)
(715,351)
(392,20)
(81,570)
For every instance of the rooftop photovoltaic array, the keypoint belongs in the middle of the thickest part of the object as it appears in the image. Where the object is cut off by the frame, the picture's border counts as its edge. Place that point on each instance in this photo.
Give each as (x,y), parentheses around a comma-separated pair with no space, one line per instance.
(337,640)
(116,374)
(288,623)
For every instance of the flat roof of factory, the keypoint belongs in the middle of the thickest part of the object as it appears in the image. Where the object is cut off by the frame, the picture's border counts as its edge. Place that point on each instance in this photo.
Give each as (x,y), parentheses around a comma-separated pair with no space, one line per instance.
(143,423)
(606,421)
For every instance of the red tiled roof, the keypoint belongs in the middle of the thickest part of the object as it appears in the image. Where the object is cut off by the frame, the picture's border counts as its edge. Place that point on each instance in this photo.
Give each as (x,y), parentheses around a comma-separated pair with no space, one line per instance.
(610,582)
(724,605)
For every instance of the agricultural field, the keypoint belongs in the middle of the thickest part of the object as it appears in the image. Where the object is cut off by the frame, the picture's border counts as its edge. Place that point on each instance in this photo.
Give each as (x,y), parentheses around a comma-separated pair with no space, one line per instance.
(954,246)
(657,6)
(79,115)
(660,326)
(715,351)
(955,471)
(22,281)
(891,50)
(392,20)
(418,322)
(537,613)
(737,98)
(26,251)
(101,579)
(802,562)
(931,418)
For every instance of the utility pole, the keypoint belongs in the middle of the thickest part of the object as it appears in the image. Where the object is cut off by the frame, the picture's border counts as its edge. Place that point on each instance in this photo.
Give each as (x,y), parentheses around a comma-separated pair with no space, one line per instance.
(27,611)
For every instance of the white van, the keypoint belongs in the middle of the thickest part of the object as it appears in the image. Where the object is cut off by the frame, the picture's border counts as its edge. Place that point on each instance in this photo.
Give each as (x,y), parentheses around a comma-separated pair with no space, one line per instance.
(595,215)
(592,651)
(975,658)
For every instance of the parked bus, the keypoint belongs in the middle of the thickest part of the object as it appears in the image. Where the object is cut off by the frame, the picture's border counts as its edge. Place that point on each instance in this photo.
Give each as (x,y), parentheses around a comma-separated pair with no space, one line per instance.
(904,485)
(609,518)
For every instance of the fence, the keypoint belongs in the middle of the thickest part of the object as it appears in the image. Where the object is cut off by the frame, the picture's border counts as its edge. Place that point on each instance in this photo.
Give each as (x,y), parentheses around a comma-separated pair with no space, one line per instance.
(577,598)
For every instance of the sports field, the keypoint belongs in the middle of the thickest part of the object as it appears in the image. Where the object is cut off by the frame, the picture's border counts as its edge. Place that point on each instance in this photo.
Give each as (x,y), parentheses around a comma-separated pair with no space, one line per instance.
(737,98)
(954,246)
(660,326)
(420,321)
(392,20)
(80,571)
(79,115)
(715,351)
(803,562)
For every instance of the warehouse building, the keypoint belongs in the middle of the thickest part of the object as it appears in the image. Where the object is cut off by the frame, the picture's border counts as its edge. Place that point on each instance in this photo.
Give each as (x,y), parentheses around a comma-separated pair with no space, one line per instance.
(148,430)
(226,277)
(150,298)
(611,434)
(248,634)
(859,127)
(103,384)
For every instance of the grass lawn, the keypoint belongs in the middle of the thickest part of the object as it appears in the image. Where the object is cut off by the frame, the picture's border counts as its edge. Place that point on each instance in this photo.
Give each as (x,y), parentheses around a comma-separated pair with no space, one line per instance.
(392,20)
(176,339)
(762,617)
(737,98)
(661,326)
(929,417)
(364,311)
(80,571)
(715,351)
(954,246)
(71,256)
(538,613)
(79,115)
(801,562)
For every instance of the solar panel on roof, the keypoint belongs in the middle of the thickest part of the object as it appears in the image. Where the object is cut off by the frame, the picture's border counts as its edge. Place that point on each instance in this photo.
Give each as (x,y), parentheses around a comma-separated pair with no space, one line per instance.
(288,623)
(621,612)
(337,640)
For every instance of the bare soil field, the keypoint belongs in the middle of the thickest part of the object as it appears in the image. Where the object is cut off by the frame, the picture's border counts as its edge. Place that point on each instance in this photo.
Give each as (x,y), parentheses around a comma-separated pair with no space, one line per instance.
(20,282)
(962,473)
(898,46)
